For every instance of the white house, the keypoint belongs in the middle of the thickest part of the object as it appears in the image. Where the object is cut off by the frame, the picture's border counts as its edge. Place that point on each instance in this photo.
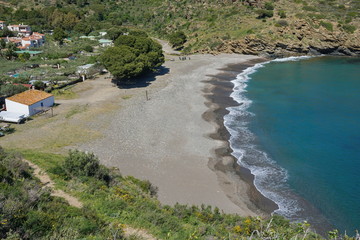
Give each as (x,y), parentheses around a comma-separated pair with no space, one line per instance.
(2,25)
(24,30)
(106,42)
(29,102)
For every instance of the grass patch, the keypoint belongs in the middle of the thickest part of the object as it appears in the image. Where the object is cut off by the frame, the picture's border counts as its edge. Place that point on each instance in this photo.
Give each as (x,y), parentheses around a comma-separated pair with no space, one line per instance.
(126,97)
(327,25)
(75,110)
(64,94)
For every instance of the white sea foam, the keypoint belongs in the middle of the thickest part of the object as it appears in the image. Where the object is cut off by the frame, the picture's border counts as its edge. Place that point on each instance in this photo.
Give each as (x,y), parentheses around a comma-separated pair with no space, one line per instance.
(270,179)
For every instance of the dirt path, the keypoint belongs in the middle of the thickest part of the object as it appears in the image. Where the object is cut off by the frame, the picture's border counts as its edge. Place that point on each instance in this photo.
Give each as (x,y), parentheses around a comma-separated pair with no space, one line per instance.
(46,180)
(73,201)
(129,232)
(167,48)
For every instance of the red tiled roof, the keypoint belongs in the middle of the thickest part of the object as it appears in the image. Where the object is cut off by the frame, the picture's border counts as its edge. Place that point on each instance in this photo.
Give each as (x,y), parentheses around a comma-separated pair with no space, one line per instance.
(30,97)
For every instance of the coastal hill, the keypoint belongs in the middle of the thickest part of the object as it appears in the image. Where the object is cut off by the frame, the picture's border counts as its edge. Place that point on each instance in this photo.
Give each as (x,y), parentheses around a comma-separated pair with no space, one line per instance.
(275,28)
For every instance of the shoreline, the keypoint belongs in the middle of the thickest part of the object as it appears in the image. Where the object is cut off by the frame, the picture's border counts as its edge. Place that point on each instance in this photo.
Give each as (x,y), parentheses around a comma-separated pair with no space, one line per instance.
(217,94)
(167,141)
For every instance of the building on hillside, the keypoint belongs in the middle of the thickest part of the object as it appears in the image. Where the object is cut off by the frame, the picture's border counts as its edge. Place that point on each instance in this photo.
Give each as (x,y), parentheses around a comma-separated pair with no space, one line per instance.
(23,43)
(23,30)
(29,102)
(32,53)
(86,71)
(14,40)
(105,42)
(2,25)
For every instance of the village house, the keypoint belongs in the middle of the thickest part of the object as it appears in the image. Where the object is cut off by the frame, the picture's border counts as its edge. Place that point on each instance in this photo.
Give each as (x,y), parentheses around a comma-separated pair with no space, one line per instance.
(26,104)
(22,30)
(2,25)
(34,40)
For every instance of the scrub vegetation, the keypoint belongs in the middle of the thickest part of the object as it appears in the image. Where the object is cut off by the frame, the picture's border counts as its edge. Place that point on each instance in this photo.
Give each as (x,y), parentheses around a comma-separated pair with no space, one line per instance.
(112,202)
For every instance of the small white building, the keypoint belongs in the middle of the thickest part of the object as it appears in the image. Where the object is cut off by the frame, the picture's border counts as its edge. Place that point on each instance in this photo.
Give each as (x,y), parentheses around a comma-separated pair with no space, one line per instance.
(2,25)
(29,102)
(24,30)
(106,43)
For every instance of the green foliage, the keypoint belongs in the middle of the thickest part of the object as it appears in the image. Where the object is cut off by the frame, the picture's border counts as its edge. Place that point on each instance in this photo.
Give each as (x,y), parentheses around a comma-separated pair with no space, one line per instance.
(10,89)
(177,39)
(310,8)
(83,28)
(88,48)
(59,35)
(129,201)
(39,85)
(264,13)
(269,6)
(82,164)
(132,56)
(282,14)
(114,33)
(281,23)
(6,33)
(349,28)
(327,25)
(24,56)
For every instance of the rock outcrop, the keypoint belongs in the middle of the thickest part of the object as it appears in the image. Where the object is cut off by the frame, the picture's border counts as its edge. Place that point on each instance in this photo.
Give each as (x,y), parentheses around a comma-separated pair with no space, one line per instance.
(299,38)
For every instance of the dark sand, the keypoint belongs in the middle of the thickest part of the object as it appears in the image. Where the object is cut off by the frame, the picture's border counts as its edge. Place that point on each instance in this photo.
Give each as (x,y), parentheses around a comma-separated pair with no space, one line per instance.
(224,164)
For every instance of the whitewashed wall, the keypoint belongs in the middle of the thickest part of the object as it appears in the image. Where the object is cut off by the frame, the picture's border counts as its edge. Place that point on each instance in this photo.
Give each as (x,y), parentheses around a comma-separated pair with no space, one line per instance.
(16,107)
(12,106)
(48,102)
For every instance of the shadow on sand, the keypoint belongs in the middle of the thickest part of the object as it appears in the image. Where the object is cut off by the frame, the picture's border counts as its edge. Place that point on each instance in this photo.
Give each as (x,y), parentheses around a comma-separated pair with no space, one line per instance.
(141,81)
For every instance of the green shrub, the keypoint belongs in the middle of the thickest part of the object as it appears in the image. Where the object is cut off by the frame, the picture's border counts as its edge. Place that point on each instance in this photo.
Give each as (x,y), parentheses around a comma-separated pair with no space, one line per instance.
(82,164)
(282,14)
(264,13)
(269,6)
(88,48)
(309,8)
(327,25)
(281,23)
(177,39)
(349,28)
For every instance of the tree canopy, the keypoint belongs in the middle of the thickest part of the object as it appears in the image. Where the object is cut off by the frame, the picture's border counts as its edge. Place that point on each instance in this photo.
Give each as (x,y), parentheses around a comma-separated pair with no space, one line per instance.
(132,56)
(177,39)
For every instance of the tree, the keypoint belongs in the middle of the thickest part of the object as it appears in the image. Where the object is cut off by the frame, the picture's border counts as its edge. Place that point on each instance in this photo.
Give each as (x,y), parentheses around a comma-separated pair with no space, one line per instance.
(69,21)
(88,48)
(59,35)
(6,33)
(10,52)
(24,56)
(114,33)
(132,56)
(83,28)
(10,89)
(39,85)
(177,39)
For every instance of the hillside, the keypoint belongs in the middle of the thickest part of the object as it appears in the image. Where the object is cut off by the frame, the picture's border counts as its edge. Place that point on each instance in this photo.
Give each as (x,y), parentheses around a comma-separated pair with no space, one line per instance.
(282,27)
(112,204)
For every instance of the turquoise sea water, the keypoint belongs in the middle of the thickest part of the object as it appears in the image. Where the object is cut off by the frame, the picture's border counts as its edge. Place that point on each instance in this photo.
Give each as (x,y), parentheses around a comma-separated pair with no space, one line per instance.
(298,130)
